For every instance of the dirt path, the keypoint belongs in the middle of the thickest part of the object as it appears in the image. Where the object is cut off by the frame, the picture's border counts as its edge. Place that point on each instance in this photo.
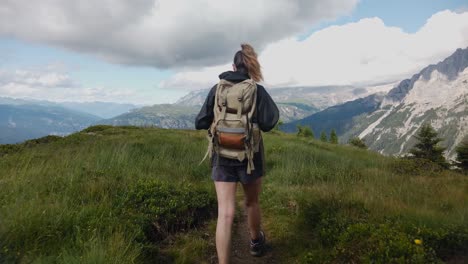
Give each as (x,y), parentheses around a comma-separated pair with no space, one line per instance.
(240,242)
(240,238)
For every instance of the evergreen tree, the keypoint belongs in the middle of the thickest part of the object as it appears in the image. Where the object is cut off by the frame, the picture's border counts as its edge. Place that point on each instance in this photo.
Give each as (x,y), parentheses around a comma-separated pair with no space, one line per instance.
(357,142)
(333,137)
(427,147)
(323,136)
(462,155)
(305,131)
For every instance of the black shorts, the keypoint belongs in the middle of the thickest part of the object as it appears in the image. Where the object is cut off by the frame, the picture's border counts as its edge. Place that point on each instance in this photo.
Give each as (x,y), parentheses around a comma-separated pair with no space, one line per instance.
(234,174)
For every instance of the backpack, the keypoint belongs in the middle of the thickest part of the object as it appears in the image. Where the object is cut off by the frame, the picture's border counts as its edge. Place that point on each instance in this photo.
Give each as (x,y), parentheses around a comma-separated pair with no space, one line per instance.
(232,134)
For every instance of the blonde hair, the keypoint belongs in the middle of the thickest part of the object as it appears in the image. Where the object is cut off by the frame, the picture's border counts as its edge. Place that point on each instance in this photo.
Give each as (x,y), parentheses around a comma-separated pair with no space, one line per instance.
(246,61)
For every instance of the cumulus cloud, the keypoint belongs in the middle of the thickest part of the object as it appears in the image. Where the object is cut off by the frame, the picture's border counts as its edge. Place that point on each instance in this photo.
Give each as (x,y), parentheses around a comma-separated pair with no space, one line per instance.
(362,52)
(58,86)
(163,33)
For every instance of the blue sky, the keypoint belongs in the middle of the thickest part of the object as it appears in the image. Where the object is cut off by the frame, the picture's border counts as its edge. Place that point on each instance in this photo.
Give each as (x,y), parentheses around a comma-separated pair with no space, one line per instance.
(409,15)
(90,71)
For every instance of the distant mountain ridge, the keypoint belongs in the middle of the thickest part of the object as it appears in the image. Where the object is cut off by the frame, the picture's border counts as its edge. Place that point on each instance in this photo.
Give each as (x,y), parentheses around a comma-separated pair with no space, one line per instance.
(22,119)
(97,108)
(339,117)
(319,97)
(296,103)
(164,116)
(438,95)
(450,67)
(21,122)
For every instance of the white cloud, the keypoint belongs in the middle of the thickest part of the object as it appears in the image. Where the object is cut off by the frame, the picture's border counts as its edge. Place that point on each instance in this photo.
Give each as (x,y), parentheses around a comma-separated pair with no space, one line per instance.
(163,33)
(57,86)
(360,52)
(38,79)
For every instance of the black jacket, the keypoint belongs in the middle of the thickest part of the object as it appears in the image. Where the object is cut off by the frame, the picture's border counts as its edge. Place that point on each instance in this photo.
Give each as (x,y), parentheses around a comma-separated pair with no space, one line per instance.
(266,115)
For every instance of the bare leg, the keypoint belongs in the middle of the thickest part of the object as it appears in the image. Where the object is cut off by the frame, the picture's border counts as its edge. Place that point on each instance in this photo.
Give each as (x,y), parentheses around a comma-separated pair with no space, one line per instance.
(252,190)
(226,193)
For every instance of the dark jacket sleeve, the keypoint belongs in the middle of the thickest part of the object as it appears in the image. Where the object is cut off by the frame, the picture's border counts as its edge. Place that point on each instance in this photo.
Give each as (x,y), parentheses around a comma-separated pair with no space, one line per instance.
(267,111)
(206,115)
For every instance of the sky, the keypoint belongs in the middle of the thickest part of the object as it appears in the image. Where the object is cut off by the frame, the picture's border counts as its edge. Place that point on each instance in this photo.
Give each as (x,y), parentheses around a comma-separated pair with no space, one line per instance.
(150,52)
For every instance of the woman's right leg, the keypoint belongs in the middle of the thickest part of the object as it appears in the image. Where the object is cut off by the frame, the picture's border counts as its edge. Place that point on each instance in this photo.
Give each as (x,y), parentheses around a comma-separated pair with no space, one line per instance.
(226,194)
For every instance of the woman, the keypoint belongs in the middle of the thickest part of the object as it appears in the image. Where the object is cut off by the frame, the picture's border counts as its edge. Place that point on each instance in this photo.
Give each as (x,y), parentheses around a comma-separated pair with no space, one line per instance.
(227,172)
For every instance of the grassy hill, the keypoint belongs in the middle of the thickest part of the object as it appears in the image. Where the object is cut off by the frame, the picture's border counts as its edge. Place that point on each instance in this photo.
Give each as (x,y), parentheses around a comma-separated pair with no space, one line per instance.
(137,195)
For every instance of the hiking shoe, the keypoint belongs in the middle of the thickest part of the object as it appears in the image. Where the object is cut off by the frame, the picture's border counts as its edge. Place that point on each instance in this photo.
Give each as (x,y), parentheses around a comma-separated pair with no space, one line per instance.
(257,248)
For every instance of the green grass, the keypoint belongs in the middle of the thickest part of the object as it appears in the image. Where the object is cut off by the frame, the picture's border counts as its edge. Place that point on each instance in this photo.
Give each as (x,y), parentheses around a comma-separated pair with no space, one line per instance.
(137,195)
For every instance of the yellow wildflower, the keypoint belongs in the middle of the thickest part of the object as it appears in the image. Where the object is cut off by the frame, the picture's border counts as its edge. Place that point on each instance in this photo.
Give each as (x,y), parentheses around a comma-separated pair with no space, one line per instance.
(418,241)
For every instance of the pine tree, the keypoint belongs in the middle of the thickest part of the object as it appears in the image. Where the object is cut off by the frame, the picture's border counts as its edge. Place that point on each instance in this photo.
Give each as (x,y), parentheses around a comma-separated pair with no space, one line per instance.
(333,137)
(462,155)
(323,136)
(427,147)
(305,131)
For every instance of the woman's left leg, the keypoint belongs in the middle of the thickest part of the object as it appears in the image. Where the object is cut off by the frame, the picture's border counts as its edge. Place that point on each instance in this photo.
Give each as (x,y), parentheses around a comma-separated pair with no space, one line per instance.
(252,191)
(226,194)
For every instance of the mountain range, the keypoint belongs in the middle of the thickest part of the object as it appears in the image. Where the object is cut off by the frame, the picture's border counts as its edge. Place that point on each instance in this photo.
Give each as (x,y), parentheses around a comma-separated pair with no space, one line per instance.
(22,119)
(161,115)
(293,103)
(296,103)
(22,122)
(385,116)
(97,108)
(437,95)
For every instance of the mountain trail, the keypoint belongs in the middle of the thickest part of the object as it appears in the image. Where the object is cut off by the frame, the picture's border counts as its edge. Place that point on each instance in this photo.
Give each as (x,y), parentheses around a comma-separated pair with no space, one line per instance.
(240,239)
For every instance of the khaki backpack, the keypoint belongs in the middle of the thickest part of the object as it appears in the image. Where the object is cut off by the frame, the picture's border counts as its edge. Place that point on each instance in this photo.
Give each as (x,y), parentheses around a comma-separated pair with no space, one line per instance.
(232,134)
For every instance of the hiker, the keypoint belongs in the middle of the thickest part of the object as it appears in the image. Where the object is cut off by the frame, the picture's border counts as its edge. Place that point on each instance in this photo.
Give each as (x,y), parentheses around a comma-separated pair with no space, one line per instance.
(235,111)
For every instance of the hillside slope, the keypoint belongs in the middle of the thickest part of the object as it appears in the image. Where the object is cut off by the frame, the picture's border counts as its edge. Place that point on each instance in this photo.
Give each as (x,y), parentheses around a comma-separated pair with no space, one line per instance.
(137,195)
(163,116)
(340,117)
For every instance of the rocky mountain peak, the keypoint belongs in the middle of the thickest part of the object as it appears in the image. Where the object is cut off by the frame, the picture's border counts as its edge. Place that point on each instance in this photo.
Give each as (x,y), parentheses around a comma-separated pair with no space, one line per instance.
(451,67)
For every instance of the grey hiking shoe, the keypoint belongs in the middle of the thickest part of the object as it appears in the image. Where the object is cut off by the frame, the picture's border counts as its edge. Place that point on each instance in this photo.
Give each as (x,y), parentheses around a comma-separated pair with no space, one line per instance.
(256,249)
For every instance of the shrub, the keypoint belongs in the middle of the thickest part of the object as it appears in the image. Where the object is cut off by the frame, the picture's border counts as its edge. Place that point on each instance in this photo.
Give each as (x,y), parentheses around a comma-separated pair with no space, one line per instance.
(447,242)
(41,140)
(305,131)
(96,128)
(159,208)
(368,243)
(346,233)
(12,148)
(357,142)
(415,166)
(330,217)
(9,148)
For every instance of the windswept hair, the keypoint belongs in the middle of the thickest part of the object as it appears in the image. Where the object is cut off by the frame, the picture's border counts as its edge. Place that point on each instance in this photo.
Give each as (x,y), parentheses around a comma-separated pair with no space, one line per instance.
(246,62)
